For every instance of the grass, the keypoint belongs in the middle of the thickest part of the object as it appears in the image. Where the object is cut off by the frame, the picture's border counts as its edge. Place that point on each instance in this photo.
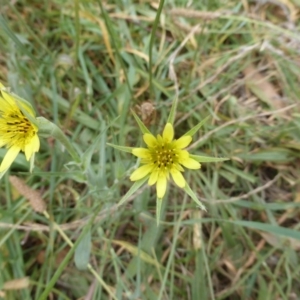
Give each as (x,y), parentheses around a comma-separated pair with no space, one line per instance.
(84,65)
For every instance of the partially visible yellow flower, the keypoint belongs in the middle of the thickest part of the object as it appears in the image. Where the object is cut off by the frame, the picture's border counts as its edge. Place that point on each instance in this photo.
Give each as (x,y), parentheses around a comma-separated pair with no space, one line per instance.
(17,131)
(164,156)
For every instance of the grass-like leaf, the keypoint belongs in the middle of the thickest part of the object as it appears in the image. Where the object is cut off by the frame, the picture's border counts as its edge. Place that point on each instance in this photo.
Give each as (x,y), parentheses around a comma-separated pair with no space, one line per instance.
(189,191)
(121,148)
(208,159)
(132,190)
(142,126)
(197,127)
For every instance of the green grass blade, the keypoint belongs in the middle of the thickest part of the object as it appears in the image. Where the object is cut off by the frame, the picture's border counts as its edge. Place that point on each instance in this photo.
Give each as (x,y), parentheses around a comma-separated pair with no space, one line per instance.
(274,229)
(197,127)
(142,126)
(189,191)
(121,148)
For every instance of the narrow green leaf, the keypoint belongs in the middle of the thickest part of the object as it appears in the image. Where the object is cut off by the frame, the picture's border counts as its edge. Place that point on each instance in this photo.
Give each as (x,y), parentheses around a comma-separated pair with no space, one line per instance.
(132,190)
(207,159)
(158,209)
(274,229)
(83,252)
(142,126)
(271,154)
(189,191)
(121,148)
(196,128)
(241,173)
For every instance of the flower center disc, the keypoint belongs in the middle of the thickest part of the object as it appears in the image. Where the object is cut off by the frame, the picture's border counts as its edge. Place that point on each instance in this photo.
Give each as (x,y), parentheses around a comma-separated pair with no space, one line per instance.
(164,156)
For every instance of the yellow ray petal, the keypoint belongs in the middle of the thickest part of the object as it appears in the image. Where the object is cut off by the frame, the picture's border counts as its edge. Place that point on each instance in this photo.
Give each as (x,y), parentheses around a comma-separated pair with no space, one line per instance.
(178,167)
(153,177)
(141,152)
(32,146)
(183,154)
(190,163)
(36,142)
(183,142)
(141,172)
(9,157)
(168,133)
(2,143)
(160,139)
(161,185)
(150,140)
(9,98)
(178,178)
(6,106)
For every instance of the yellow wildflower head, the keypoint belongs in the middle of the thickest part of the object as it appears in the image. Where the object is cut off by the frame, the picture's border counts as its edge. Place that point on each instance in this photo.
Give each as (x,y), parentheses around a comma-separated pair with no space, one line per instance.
(17,131)
(164,156)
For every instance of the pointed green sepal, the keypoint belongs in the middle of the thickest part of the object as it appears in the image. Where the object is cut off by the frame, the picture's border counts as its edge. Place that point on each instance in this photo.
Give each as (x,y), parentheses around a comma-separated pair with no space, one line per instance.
(189,191)
(207,159)
(172,114)
(121,148)
(158,209)
(132,190)
(197,127)
(142,126)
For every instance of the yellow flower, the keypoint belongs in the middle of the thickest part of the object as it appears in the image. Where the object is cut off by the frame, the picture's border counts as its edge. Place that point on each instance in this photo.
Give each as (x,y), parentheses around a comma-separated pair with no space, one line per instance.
(17,131)
(162,157)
